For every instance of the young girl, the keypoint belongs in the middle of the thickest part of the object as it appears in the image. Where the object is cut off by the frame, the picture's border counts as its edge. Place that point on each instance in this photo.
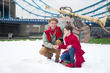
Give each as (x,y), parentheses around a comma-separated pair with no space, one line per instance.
(73,52)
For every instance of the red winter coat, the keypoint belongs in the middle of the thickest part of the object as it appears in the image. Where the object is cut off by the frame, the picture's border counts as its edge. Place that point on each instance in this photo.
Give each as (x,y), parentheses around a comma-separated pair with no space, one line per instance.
(73,40)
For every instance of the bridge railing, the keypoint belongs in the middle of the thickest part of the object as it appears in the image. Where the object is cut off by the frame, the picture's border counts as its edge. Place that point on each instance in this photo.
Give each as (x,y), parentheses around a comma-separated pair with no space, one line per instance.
(24,21)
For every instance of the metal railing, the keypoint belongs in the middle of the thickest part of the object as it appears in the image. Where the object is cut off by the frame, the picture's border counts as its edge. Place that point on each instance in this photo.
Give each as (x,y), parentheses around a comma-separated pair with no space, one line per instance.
(24,21)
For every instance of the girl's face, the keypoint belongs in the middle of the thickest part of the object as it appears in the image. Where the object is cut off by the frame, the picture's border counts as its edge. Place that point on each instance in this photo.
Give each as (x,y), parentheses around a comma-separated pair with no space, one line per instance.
(66,32)
(53,24)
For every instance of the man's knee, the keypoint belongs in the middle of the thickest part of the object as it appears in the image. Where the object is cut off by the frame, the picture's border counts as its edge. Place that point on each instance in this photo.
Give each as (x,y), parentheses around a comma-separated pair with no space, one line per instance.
(43,51)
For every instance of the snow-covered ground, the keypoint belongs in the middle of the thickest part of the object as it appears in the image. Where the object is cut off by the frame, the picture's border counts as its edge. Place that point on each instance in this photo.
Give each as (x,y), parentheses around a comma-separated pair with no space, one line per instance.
(24,57)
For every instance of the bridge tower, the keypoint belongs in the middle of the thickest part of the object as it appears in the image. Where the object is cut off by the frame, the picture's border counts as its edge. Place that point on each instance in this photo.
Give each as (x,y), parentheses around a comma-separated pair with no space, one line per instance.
(8,10)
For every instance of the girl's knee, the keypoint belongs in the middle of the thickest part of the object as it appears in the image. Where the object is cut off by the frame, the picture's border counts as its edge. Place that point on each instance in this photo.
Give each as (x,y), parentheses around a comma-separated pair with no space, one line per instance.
(72,49)
(62,57)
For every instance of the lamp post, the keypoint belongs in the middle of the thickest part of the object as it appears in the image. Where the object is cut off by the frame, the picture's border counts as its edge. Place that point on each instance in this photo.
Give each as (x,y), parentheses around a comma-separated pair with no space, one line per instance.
(90,28)
(9,8)
(3,8)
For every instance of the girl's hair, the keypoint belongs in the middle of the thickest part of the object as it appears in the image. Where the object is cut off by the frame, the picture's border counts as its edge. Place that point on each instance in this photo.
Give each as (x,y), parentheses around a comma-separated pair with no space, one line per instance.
(69,27)
(53,19)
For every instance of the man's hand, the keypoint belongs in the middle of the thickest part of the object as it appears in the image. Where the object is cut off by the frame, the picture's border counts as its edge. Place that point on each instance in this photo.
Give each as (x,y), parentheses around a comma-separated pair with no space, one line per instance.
(55,46)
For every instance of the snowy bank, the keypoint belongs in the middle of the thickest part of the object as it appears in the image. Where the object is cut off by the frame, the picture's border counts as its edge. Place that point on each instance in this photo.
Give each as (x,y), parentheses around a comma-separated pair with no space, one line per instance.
(24,57)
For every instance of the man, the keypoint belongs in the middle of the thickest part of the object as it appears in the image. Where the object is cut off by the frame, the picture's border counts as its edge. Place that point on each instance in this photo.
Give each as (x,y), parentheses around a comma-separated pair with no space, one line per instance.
(50,39)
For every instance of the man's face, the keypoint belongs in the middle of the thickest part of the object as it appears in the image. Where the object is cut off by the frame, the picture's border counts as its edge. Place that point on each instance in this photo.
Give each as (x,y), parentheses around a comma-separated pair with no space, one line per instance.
(53,24)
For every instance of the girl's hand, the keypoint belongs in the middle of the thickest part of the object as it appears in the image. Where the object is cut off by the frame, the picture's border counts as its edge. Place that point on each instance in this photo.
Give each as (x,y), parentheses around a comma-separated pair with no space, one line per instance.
(69,46)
